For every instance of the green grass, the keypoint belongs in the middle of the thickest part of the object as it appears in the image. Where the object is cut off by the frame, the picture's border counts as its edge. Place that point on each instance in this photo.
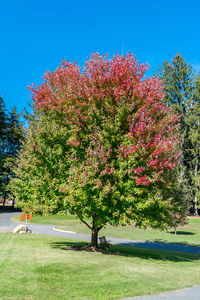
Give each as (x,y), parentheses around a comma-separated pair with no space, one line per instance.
(44,267)
(188,234)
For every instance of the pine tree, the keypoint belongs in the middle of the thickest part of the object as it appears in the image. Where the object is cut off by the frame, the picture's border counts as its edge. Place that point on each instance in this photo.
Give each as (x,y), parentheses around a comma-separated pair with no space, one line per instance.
(3,127)
(14,133)
(178,84)
(193,121)
(14,136)
(11,134)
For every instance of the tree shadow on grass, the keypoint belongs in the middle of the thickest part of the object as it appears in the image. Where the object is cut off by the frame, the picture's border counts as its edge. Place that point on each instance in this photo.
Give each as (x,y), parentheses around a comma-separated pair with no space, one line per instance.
(8,209)
(176,243)
(182,232)
(130,251)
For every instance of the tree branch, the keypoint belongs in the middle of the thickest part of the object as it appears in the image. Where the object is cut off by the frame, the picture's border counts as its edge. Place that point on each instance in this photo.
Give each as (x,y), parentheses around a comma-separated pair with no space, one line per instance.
(100,227)
(84,222)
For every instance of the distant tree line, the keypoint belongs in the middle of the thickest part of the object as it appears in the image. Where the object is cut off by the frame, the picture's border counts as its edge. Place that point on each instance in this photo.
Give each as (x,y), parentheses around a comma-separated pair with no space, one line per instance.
(11,135)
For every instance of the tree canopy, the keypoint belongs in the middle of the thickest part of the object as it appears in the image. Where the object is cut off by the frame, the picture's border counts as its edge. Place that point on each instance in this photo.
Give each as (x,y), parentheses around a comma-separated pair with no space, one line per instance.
(104,146)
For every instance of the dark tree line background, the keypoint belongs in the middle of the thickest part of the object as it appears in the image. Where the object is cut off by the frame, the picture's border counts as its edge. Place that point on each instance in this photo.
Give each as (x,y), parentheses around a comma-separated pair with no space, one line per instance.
(182,87)
(11,136)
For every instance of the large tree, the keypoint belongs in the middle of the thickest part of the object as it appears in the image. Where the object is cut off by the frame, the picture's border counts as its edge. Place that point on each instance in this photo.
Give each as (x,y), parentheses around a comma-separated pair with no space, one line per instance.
(103,147)
(3,119)
(178,83)
(193,122)
(3,127)
(13,140)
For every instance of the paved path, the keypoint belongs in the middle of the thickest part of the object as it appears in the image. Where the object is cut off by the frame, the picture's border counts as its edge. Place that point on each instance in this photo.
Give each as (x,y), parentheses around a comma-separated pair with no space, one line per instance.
(49,230)
(5,221)
(6,225)
(185,294)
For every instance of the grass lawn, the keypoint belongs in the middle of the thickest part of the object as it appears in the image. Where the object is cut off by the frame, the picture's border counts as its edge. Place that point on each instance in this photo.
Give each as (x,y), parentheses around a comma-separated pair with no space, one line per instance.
(44,267)
(188,234)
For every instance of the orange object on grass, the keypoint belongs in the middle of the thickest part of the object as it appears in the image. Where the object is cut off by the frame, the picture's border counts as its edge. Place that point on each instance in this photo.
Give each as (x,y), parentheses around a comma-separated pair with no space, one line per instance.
(23,217)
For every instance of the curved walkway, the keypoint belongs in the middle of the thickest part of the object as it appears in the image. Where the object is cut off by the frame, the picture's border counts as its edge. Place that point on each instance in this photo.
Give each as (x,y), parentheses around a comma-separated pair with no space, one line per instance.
(5,221)
(185,294)
(6,225)
(49,230)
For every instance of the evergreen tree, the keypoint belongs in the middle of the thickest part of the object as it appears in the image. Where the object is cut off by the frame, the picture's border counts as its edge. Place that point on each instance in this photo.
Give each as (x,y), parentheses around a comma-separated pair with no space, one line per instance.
(3,127)
(178,81)
(193,121)
(14,133)
(14,136)
(11,133)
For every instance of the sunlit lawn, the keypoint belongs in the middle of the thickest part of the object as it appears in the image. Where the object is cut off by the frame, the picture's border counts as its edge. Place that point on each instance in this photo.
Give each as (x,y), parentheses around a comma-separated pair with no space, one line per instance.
(44,267)
(188,234)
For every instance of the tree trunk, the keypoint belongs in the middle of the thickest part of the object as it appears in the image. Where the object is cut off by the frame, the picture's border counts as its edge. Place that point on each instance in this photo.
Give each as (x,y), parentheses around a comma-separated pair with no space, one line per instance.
(174,230)
(94,237)
(4,201)
(195,206)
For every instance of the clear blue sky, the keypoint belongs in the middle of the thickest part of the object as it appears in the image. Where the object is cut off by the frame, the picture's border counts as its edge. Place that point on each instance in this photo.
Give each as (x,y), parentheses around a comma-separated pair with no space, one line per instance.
(37,34)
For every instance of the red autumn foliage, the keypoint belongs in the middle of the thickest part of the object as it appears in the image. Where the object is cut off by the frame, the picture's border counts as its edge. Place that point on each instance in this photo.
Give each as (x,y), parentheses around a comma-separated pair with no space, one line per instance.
(153,139)
(101,78)
(152,135)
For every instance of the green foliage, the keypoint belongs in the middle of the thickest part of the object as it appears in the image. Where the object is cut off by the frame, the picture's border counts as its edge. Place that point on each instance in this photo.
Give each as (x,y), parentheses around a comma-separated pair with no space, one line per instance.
(54,174)
(177,77)
(178,82)
(14,133)
(11,134)
(193,122)
(102,147)
(42,167)
(3,127)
